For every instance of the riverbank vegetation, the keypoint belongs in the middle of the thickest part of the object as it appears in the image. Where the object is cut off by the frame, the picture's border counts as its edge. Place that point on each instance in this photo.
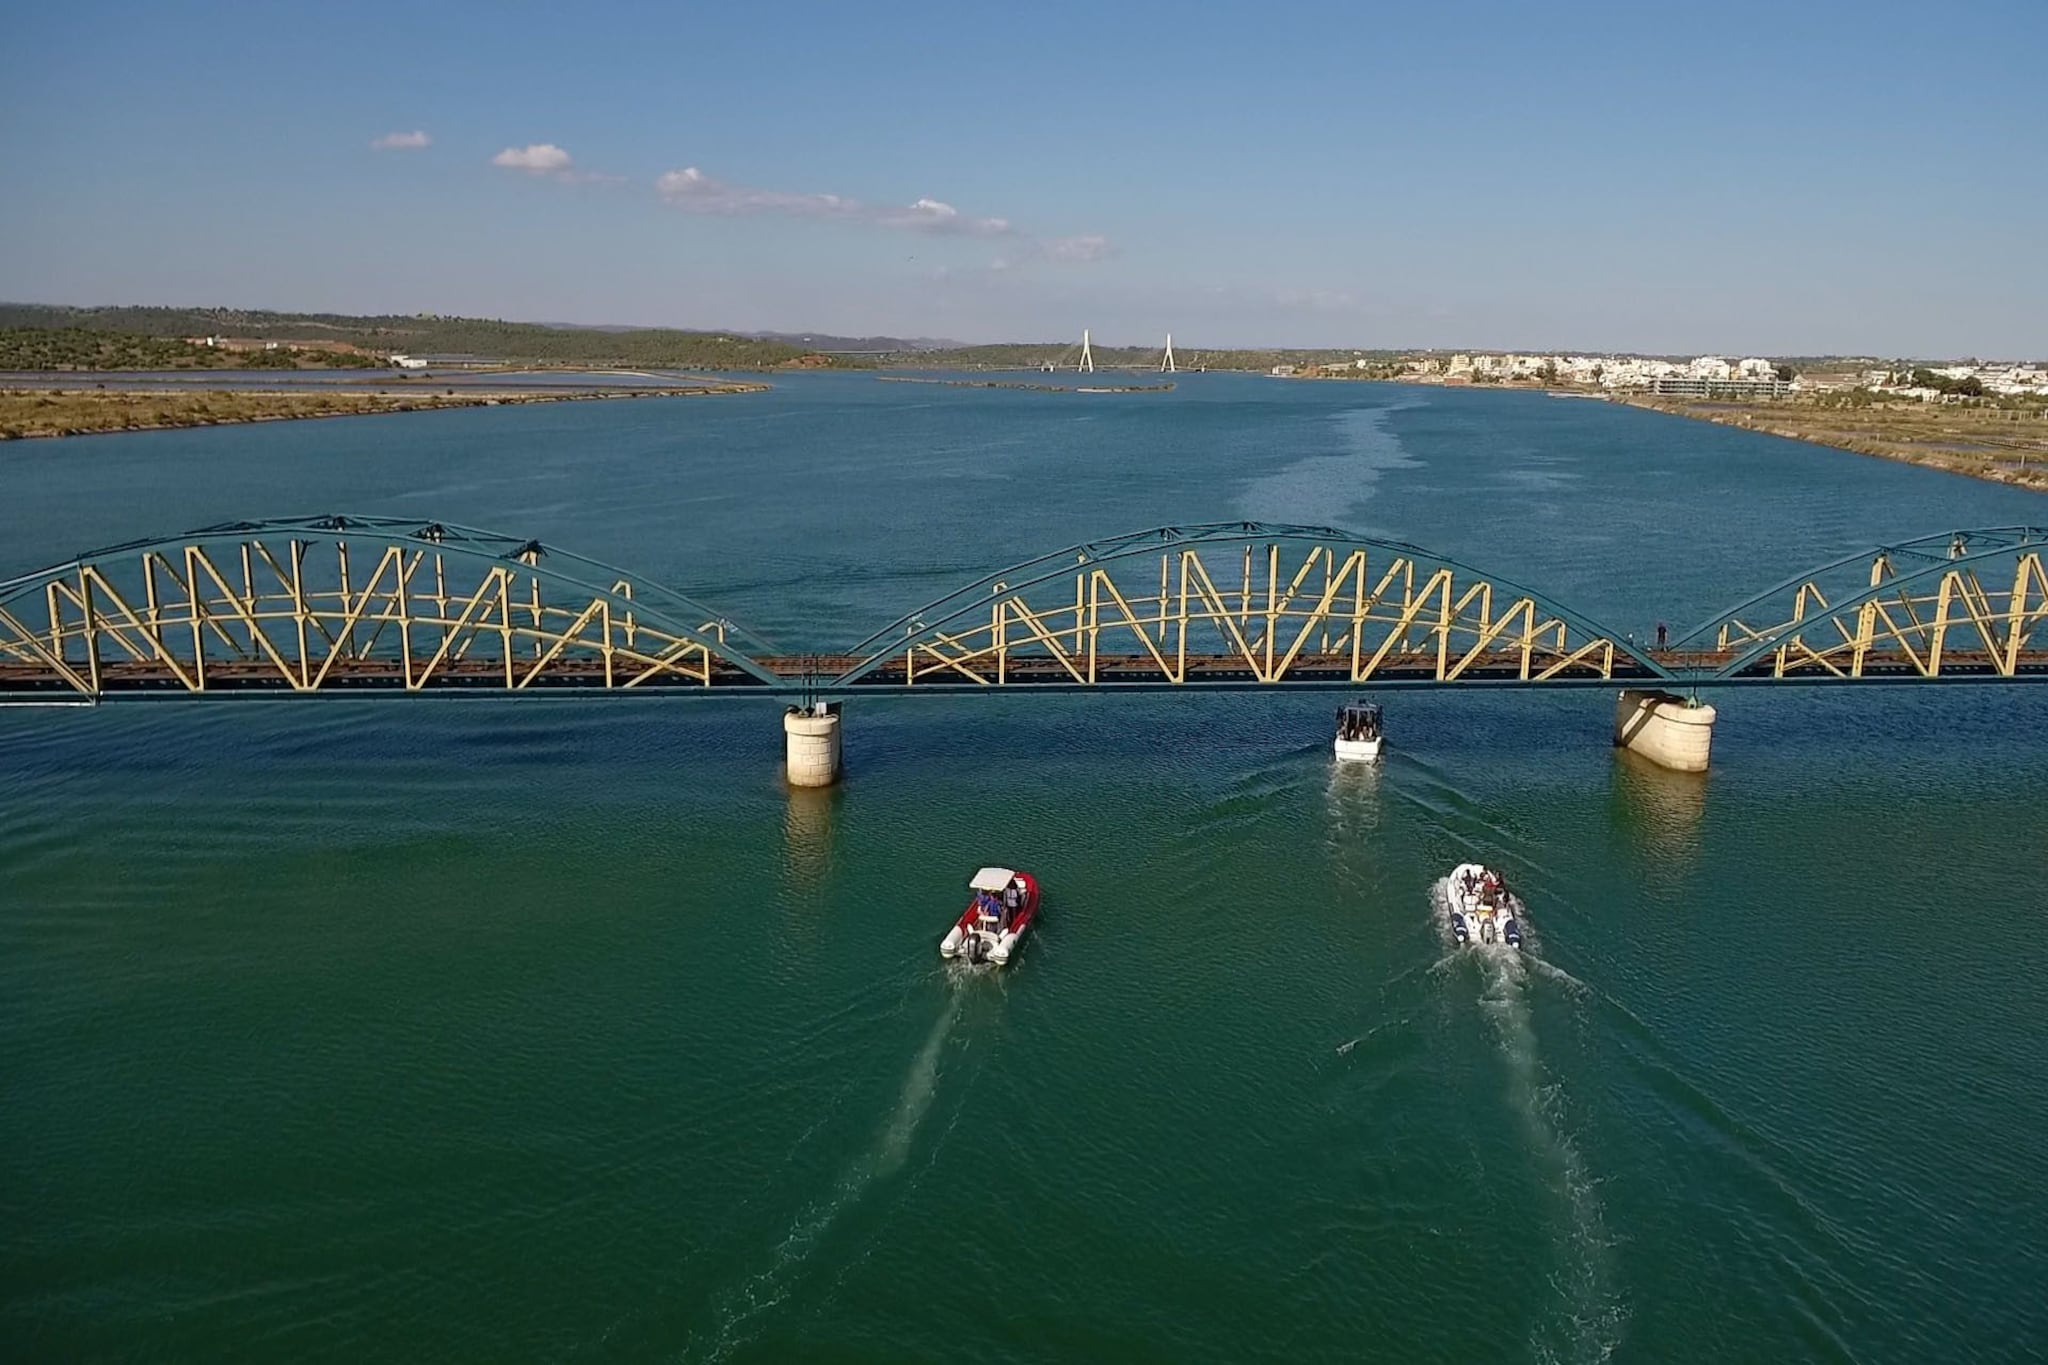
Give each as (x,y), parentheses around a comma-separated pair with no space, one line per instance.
(160,332)
(2003,440)
(80,348)
(28,413)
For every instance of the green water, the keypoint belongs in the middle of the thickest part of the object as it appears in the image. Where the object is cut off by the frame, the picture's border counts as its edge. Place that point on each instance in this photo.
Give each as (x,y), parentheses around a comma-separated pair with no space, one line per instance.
(459,1030)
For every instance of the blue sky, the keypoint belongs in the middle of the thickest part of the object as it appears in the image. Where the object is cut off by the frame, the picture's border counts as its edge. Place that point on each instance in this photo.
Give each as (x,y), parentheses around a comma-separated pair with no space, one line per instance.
(1777,179)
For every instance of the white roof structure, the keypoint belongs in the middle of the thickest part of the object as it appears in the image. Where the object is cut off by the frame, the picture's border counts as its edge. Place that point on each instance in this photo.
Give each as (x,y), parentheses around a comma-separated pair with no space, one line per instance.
(991,879)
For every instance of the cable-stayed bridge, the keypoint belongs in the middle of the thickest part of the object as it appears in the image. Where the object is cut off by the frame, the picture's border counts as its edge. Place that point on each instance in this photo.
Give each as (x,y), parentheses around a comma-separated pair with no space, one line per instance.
(1081,358)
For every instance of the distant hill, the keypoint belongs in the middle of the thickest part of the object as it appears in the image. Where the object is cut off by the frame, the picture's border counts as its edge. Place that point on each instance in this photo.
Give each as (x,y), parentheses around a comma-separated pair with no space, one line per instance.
(431,334)
(814,341)
(822,341)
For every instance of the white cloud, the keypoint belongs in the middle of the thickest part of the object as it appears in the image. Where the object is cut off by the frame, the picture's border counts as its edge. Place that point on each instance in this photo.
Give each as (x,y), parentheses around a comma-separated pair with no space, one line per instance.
(401,142)
(539,158)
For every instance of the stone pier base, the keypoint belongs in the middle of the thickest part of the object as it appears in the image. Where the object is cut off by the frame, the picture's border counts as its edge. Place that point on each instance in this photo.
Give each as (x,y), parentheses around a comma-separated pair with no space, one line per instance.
(810,739)
(1665,728)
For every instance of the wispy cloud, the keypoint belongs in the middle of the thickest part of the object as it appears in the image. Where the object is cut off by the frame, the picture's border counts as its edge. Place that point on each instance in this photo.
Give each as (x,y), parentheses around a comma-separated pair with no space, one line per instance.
(401,142)
(1318,300)
(1091,246)
(695,192)
(692,191)
(942,219)
(538,158)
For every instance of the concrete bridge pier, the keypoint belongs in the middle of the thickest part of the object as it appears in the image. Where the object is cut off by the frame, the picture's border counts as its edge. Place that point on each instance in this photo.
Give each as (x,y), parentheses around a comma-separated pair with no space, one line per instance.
(810,744)
(1669,730)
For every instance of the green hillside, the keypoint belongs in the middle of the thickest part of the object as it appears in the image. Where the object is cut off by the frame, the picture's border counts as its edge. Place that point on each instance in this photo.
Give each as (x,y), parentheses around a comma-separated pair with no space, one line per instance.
(77,348)
(424,334)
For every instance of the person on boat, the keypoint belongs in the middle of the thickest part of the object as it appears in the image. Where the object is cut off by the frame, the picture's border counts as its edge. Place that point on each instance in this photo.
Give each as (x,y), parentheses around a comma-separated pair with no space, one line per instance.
(1013,901)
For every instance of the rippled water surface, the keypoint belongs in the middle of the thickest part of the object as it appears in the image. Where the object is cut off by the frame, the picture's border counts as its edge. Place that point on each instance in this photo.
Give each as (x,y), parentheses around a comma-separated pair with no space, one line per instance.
(560,1030)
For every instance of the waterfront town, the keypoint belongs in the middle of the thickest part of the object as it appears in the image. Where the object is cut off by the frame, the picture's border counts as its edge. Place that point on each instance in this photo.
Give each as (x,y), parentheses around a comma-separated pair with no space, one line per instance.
(1706,376)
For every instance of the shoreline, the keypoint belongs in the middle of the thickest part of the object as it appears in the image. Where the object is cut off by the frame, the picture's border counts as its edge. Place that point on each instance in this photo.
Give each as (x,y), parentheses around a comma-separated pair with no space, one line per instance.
(45,414)
(1897,446)
(1973,442)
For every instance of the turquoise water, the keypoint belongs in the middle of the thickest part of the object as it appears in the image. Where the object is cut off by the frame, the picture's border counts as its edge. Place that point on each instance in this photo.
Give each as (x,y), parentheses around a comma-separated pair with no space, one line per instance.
(561,1031)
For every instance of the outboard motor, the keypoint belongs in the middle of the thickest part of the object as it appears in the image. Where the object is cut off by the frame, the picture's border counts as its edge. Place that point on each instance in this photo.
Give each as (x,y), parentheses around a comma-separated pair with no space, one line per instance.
(1486,928)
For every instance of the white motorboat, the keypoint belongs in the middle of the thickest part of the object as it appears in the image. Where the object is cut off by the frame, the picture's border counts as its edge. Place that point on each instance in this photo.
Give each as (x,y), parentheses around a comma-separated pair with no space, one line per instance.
(1359,732)
(1480,907)
(1003,907)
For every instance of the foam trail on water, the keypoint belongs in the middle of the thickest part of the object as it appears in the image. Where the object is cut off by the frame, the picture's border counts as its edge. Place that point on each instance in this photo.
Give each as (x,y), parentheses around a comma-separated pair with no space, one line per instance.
(885,1156)
(1590,1326)
(920,1083)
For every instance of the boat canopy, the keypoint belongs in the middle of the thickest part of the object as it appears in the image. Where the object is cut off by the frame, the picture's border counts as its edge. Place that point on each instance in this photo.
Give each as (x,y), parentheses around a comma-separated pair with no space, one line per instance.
(1360,710)
(991,879)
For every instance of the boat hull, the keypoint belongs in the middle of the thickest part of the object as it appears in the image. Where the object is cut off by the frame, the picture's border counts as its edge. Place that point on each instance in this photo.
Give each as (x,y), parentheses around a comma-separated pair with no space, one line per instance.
(1357,750)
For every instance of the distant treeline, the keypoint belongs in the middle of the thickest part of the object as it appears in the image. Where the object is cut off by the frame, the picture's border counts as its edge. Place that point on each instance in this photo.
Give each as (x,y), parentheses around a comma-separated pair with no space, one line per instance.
(76,348)
(426,334)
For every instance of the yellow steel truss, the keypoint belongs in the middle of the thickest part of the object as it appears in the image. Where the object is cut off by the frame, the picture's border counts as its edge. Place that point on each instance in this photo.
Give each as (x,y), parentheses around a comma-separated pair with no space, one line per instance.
(1332,612)
(300,616)
(1915,623)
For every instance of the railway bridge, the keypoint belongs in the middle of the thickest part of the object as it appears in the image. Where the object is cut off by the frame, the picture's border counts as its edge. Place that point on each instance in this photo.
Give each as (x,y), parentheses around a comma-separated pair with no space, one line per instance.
(398,607)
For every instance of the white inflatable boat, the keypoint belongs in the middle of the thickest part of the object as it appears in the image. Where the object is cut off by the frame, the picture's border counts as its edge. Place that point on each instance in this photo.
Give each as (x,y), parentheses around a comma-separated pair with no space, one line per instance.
(1480,907)
(1003,906)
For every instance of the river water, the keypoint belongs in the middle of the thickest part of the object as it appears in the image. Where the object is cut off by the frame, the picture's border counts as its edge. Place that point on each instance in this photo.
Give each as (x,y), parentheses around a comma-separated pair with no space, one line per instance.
(560,1030)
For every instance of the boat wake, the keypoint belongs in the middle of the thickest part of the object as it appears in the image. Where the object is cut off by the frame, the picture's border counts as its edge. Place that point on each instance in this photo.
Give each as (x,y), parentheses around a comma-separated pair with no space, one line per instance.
(1587,1326)
(882,1158)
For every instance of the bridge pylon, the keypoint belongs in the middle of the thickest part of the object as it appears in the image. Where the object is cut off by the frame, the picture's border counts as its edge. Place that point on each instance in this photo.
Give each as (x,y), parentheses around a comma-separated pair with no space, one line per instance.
(1166,365)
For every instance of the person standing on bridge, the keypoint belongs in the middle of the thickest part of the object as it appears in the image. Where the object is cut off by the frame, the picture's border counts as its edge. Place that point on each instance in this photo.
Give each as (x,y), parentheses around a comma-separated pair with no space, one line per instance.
(1660,635)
